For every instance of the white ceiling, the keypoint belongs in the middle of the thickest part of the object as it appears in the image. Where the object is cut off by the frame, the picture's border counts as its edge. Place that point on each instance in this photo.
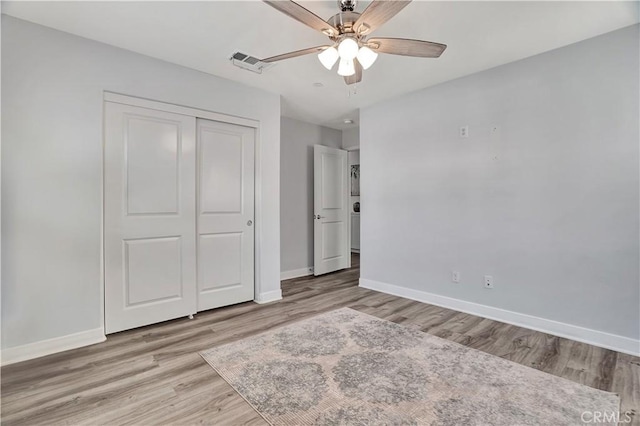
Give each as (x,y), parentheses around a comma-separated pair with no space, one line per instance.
(202,35)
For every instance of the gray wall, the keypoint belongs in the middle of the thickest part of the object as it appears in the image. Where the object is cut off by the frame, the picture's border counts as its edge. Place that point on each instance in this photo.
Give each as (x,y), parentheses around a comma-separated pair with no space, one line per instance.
(52,91)
(543,194)
(351,138)
(296,189)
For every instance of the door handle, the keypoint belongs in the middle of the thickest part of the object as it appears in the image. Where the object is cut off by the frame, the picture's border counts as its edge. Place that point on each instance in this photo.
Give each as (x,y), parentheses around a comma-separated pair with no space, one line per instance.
(249,223)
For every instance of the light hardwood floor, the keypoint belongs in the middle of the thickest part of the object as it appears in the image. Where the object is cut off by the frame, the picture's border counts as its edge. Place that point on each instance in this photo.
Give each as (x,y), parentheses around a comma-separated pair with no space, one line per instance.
(154,375)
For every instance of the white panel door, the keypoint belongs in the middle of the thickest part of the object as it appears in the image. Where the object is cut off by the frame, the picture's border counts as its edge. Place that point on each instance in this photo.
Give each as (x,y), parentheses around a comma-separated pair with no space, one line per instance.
(225,214)
(331,250)
(149,216)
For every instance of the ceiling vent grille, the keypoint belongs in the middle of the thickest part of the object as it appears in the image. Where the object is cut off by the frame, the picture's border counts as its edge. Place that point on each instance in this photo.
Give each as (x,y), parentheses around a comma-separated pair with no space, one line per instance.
(248,62)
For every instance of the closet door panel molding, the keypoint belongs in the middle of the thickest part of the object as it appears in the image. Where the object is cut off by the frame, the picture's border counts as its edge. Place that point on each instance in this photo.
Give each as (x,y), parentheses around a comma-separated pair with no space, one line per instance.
(149,216)
(226,175)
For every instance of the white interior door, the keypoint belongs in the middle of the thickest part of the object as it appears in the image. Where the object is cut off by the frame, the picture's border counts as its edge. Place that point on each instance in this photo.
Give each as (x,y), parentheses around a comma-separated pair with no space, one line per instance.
(225,214)
(331,250)
(149,216)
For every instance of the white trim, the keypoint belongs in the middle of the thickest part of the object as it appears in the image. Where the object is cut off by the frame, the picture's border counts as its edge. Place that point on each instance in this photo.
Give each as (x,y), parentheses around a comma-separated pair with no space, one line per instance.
(103,310)
(51,346)
(257,213)
(269,296)
(569,331)
(347,198)
(179,109)
(296,273)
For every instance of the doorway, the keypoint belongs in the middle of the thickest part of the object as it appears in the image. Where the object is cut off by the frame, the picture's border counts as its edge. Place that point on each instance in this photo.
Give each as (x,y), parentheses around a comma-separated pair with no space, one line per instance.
(354,198)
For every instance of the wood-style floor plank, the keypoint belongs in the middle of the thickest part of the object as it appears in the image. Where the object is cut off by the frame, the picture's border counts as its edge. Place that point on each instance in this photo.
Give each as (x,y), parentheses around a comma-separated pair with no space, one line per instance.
(154,375)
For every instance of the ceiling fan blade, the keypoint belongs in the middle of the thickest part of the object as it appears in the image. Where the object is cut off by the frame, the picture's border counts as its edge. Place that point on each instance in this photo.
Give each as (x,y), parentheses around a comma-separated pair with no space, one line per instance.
(407,47)
(295,54)
(357,77)
(377,13)
(299,13)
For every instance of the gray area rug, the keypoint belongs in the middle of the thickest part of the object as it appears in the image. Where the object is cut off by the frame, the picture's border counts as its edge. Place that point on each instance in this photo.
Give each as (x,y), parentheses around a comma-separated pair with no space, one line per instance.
(348,368)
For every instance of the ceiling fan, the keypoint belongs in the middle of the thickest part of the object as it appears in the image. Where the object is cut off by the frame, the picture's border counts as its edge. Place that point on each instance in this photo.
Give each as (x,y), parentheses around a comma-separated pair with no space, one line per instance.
(349,33)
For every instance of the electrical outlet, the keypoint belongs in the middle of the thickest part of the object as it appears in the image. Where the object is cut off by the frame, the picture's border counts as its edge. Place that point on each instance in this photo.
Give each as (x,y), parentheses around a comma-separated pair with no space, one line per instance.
(488,281)
(455,276)
(464,131)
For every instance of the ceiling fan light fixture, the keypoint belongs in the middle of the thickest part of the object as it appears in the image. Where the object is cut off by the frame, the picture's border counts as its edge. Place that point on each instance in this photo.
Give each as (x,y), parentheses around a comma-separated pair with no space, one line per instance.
(366,57)
(349,34)
(328,57)
(348,49)
(346,67)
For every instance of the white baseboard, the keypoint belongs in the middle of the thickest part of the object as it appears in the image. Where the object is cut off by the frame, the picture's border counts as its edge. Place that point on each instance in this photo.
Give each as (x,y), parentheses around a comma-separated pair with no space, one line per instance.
(296,273)
(269,296)
(569,331)
(51,346)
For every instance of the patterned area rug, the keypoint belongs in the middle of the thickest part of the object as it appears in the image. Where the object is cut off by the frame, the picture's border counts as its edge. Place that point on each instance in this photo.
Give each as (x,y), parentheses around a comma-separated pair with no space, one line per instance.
(345,367)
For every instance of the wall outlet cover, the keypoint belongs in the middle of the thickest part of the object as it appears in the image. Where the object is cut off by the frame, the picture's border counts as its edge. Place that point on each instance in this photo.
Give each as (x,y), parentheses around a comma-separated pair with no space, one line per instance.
(488,281)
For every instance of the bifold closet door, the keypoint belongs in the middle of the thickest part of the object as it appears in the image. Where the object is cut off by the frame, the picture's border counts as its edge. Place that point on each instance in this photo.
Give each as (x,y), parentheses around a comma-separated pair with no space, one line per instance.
(225,214)
(149,216)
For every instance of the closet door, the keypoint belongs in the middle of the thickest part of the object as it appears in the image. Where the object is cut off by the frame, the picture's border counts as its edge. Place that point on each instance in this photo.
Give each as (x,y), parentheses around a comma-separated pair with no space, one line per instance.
(225,214)
(149,216)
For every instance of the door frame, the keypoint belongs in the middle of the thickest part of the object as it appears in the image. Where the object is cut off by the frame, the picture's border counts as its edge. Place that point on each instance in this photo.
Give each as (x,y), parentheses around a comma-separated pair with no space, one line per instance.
(352,149)
(197,113)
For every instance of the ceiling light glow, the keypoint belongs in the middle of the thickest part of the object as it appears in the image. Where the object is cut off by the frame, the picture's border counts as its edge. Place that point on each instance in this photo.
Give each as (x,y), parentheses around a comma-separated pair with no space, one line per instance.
(366,57)
(348,49)
(346,67)
(328,57)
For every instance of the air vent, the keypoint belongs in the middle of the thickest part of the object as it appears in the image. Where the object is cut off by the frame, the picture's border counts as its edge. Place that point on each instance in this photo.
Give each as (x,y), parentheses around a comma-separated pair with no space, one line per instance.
(248,62)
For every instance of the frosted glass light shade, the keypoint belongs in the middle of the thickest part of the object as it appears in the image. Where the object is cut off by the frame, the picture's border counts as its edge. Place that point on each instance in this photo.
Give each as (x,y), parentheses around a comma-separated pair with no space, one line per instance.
(366,57)
(346,67)
(348,49)
(328,57)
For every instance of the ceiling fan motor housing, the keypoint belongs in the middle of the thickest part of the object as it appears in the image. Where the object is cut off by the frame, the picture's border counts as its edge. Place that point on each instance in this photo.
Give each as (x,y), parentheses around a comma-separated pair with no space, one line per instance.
(344,22)
(347,5)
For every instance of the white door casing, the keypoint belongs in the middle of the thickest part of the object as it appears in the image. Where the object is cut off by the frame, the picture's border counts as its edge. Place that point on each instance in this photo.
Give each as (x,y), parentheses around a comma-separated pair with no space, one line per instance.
(149,216)
(225,237)
(331,245)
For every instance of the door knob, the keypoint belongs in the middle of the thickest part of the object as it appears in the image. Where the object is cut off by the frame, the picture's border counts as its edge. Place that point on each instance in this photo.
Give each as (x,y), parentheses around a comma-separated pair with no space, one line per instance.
(249,223)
